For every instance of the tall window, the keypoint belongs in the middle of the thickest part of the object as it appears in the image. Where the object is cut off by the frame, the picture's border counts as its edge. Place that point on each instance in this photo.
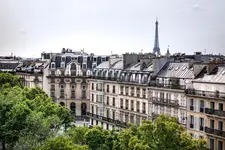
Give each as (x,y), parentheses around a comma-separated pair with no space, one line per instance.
(114,89)
(192,122)
(212,124)
(211,144)
(107,100)
(121,90)
(220,145)
(92,86)
(132,105)
(220,125)
(212,105)
(201,124)
(143,108)
(92,97)
(132,91)
(127,103)
(138,92)
(191,104)
(138,106)
(121,102)
(113,101)
(201,106)
(220,106)
(107,88)
(144,93)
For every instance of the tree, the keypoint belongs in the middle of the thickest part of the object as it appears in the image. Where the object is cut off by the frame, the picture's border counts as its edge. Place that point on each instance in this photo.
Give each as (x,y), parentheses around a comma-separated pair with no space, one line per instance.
(58,143)
(7,78)
(28,117)
(77,135)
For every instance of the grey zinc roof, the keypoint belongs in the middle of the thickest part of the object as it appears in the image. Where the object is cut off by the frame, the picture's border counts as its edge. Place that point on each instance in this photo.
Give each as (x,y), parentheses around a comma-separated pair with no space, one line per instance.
(177,70)
(103,65)
(149,68)
(117,65)
(135,67)
(219,77)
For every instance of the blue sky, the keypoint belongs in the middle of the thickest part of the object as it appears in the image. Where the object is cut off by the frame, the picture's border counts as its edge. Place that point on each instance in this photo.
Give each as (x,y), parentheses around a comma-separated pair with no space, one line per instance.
(29,27)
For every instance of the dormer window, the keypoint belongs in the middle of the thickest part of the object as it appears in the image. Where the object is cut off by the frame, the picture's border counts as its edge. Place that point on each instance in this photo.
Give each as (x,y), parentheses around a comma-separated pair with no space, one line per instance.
(53,65)
(84,66)
(62,65)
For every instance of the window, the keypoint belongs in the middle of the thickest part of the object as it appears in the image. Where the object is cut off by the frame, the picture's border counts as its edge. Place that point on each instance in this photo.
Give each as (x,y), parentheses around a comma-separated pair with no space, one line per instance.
(63,59)
(92,97)
(72,94)
(144,93)
(192,122)
(220,107)
(132,105)
(114,89)
(220,145)
(191,104)
(61,87)
(53,65)
(201,124)
(121,90)
(220,125)
(127,103)
(83,87)
(113,101)
(201,106)
(113,115)
(132,91)
(92,86)
(84,66)
(212,105)
(212,124)
(121,103)
(211,144)
(107,100)
(127,90)
(143,108)
(107,88)
(138,106)
(95,59)
(138,92)
(131,119)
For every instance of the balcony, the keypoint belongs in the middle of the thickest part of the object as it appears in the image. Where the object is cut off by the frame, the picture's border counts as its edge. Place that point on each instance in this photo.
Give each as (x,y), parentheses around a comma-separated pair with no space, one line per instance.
(167,102)
(113,121)
(215,132)
(215,112)
(206,94)
(169,86)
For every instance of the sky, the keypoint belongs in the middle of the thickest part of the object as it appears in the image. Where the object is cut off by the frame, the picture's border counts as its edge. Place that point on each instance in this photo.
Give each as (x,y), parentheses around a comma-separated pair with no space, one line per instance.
(102,27)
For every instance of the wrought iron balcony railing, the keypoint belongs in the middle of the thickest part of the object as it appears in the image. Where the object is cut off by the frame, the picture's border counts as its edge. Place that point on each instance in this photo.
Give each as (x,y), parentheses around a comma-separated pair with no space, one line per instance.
(167,102)
(116,122)
(215,112)
(206,94)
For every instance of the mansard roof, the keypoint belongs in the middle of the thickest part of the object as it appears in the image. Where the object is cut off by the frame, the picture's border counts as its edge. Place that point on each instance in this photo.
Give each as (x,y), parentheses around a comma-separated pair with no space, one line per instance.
(177,70)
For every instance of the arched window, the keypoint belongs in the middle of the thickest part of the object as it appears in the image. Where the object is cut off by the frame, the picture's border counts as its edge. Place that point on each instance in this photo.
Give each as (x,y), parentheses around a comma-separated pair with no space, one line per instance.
(144,79)
(73,108)
(83,109)
(62,103)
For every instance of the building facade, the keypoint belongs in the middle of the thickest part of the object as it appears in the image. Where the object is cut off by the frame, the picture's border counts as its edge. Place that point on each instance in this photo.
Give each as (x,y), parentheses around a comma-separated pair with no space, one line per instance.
(66,79)
(205,109)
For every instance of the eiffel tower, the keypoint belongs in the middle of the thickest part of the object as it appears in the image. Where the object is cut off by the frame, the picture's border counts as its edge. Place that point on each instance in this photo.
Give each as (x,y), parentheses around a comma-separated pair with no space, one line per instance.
(156,49)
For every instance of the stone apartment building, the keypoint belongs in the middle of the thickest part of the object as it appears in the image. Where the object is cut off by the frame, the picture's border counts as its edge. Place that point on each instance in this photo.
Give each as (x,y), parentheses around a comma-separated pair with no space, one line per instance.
(66,79)
(205,106)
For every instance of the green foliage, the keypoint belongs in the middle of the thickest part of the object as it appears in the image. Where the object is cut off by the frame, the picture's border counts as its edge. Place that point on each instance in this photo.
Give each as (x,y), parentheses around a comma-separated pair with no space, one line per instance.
(10,80)
(27,115)
(58,143)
